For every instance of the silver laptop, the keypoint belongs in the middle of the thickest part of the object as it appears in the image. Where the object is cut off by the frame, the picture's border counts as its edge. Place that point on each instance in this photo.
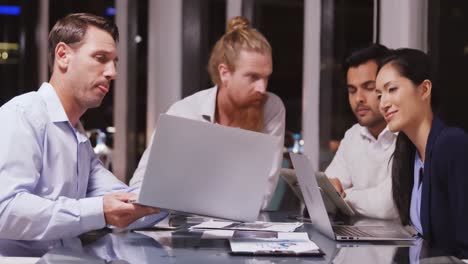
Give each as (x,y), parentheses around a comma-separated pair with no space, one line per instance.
(319,217)
(208,169)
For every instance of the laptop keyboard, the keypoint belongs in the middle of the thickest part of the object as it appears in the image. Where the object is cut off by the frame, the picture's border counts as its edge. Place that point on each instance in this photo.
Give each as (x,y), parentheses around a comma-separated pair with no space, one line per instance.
(350,231)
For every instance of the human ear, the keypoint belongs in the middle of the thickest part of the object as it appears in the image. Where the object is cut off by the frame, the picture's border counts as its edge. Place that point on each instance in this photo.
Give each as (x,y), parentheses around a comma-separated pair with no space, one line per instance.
(425,90)
(224,72)
(62,55)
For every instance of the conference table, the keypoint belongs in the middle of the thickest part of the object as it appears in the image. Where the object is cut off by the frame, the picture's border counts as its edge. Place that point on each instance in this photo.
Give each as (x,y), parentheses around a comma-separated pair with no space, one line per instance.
(183,245)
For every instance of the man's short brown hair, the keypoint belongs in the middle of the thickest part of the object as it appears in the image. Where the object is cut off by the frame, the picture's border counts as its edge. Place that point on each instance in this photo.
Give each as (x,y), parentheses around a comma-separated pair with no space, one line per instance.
(72,29)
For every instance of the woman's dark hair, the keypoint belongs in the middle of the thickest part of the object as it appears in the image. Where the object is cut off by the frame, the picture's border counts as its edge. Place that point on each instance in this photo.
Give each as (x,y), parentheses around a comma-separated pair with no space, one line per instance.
(414,65)
(402,176)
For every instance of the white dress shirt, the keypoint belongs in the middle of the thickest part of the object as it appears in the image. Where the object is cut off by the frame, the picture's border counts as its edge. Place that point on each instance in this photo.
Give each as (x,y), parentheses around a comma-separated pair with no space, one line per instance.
(52,182)
(362,164)
(201,106)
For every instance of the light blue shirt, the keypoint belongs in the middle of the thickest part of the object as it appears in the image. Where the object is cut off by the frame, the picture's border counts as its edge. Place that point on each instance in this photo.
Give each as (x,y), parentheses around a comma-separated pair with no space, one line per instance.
(415,251)
(51,181)
(415,207)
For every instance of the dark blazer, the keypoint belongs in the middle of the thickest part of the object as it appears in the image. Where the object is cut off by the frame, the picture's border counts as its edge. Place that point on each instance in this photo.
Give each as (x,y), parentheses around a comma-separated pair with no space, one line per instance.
(444,203)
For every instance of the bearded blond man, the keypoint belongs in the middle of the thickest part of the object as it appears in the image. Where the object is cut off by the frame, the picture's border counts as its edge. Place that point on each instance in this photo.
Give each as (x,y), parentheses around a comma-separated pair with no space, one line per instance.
(240,66)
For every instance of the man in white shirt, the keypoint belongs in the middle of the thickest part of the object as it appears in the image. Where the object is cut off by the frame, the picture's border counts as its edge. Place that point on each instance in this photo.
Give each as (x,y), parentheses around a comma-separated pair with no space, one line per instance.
(240,66)
(361,168)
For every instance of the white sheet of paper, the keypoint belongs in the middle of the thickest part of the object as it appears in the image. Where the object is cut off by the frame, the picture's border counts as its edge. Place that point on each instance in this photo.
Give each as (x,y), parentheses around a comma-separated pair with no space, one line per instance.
(294,235)
(212,224)
(298,243)
(18,260)
(255,226)
(217,234)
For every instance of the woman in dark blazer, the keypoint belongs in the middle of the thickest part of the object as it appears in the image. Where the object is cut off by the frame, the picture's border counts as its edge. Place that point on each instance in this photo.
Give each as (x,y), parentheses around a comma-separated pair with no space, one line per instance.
(430,162)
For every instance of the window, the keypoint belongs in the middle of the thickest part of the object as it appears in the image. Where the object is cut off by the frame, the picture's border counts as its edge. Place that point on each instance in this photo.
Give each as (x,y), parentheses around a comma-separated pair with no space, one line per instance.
(448,47)
(282,23)
(18,50)
(346,26)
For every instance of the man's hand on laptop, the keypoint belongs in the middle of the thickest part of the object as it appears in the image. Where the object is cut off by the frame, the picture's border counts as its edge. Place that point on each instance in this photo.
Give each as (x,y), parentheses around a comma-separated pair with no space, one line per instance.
(120,213)
(337,184)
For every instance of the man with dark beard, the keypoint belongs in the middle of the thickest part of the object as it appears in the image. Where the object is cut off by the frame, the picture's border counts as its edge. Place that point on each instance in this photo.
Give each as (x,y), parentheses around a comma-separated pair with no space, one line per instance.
(240,66)
(361,168)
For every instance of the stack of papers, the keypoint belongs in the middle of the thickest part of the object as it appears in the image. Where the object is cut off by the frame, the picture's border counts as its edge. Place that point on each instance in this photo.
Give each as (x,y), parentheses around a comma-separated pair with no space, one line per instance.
(292,244)
(261,238)
(255,226)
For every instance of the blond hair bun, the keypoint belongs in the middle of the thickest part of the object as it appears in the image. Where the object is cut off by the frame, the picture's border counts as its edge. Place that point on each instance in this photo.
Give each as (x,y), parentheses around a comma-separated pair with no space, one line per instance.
(238,23)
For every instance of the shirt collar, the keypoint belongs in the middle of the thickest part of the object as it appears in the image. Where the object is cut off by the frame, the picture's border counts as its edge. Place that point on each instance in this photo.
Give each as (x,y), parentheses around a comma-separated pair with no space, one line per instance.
(57,113)
(54,106)
(386,137)
(208,108)
(417,162)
